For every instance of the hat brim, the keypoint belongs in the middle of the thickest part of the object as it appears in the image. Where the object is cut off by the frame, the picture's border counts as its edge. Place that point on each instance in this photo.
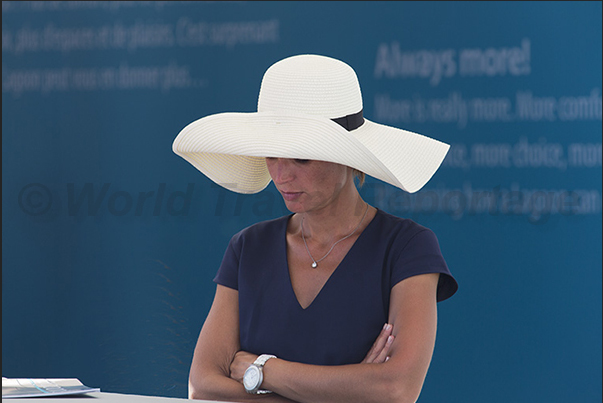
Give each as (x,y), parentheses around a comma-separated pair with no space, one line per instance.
(230,148)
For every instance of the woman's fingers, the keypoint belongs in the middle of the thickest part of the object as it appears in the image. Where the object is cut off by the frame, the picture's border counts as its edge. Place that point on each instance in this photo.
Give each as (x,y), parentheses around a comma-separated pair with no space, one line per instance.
(383,354)
(379,345)
(241,361)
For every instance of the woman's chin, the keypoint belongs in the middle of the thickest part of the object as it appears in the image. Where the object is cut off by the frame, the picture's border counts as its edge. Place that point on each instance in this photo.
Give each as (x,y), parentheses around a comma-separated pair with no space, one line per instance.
(294,207)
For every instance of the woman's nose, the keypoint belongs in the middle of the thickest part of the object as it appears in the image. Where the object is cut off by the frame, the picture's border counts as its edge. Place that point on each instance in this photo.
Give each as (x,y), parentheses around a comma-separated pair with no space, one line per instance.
(280,169)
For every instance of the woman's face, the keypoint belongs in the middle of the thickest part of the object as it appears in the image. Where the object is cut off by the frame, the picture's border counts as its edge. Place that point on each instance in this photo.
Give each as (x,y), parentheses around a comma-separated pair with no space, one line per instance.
(309,185)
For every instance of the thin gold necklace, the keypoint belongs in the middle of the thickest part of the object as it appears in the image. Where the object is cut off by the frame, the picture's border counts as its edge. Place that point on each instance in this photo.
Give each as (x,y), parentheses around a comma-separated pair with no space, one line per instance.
(315,262)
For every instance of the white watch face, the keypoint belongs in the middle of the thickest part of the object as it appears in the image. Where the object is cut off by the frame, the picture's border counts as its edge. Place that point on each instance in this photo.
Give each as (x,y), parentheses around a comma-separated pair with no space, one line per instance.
(251,377)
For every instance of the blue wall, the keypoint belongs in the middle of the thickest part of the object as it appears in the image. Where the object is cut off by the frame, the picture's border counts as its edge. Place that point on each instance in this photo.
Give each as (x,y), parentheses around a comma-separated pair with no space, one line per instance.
(110,241)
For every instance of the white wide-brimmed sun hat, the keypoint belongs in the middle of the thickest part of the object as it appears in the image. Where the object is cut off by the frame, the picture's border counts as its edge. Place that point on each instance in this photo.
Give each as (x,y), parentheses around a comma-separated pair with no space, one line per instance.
(309,107)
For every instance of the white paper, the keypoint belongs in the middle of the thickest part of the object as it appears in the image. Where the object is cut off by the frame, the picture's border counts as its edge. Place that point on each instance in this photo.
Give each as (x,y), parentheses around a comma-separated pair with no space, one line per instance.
(30,387)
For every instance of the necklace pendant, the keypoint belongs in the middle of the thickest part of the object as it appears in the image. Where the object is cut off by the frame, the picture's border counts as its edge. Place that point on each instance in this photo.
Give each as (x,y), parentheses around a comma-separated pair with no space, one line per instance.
(314,265)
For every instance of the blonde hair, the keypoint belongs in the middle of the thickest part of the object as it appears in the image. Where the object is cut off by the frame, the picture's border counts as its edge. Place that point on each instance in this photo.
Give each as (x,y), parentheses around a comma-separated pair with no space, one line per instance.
(358,175)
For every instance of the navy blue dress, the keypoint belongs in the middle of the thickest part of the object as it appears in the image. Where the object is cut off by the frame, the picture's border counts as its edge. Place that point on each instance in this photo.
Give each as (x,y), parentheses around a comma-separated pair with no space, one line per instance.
(341,324)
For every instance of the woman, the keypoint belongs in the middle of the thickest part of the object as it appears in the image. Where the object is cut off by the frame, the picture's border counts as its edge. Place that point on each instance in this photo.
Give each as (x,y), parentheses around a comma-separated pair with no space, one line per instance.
(337,301)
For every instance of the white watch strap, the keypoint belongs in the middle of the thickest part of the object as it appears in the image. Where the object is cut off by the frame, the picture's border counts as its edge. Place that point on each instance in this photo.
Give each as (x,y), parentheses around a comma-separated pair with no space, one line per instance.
(261,360)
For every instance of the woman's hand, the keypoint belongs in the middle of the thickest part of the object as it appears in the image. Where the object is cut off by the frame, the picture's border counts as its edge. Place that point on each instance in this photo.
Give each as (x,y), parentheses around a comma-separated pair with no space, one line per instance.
(378,353)
(241,361)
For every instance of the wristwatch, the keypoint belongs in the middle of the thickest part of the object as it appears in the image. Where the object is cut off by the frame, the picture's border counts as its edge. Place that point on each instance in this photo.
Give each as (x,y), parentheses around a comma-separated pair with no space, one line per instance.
(254,375)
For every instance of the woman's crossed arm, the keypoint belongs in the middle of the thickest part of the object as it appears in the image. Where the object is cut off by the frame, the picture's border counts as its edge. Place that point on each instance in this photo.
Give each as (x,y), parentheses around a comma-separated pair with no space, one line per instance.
(393,371)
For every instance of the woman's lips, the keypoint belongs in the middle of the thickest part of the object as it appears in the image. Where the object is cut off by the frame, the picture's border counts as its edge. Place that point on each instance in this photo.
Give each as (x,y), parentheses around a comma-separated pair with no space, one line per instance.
(290,196)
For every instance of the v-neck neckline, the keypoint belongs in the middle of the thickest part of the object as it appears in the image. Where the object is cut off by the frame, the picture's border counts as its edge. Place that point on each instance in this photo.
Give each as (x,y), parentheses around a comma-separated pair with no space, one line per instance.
(285,255)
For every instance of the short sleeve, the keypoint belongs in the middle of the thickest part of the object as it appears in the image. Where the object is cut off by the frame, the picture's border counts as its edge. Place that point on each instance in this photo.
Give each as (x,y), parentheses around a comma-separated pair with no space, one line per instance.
(421,255)
(228,273)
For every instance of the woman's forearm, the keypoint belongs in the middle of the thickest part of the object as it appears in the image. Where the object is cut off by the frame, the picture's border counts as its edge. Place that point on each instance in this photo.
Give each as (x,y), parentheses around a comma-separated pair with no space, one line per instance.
(383,382)
(219,387)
